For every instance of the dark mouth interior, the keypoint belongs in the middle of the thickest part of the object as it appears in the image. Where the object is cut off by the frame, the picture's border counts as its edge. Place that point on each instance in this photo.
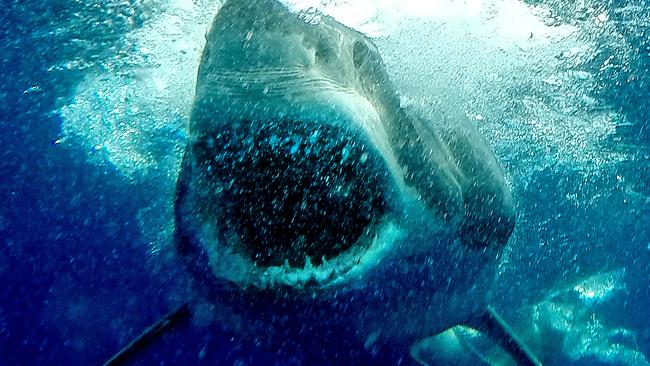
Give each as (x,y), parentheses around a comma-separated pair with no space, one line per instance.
(291,189)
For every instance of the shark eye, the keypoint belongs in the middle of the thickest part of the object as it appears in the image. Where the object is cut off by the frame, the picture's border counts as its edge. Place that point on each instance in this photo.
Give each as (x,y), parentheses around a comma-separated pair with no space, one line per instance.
(292,190)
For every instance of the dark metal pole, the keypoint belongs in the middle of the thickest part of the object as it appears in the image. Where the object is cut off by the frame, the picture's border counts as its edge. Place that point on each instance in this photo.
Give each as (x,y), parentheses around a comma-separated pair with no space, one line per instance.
(172,319)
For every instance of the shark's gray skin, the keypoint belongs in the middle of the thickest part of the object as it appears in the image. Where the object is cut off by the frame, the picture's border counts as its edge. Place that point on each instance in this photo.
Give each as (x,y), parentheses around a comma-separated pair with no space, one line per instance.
(309,199)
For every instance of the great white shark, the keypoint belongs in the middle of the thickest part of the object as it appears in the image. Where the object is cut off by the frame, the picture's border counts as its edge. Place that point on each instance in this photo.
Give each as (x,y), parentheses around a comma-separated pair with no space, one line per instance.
(310,201)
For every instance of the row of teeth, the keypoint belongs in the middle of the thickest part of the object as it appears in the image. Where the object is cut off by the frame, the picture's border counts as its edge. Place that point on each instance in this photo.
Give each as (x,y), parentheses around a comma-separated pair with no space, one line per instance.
(308,274)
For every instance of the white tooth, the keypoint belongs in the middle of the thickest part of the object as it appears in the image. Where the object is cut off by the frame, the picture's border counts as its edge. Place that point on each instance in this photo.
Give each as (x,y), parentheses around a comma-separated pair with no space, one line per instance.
(308,264)
(286,264)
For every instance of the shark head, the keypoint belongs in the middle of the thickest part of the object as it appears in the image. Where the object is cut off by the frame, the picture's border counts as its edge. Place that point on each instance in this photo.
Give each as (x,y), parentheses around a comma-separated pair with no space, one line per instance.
(307,192)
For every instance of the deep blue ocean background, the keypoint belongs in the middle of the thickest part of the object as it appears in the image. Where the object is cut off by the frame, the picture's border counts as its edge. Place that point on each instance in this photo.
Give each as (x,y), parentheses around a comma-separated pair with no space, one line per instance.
(77,279)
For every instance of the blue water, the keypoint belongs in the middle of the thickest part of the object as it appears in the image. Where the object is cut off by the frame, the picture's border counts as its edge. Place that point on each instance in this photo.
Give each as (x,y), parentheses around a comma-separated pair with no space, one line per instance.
(77,276)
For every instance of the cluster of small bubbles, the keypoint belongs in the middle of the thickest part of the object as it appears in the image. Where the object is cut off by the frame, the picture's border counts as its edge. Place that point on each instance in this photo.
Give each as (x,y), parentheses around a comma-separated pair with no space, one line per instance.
(530,95)
(292,189)
(132,106)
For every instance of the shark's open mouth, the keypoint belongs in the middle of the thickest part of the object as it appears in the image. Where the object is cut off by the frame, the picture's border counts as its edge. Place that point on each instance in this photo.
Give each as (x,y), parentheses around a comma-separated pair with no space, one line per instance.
(289,193)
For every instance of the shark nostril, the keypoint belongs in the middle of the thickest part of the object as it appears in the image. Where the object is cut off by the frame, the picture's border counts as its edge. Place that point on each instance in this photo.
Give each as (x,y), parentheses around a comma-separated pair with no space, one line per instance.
(291,190)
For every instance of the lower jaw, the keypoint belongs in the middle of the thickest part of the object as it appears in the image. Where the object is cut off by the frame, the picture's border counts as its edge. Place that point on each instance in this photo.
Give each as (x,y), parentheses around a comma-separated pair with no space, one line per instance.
(235,268)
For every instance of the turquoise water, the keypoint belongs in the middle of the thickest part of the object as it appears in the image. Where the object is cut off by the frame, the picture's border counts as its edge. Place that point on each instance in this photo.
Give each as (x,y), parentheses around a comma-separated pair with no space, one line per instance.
(96,96)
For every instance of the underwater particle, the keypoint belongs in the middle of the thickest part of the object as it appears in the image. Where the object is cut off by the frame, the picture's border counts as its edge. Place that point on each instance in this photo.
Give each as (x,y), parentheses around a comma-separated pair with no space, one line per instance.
(33,89)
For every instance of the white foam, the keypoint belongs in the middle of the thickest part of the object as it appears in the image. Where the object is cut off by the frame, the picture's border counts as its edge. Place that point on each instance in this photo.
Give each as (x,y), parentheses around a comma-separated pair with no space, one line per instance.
(122,113)
(502,60)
